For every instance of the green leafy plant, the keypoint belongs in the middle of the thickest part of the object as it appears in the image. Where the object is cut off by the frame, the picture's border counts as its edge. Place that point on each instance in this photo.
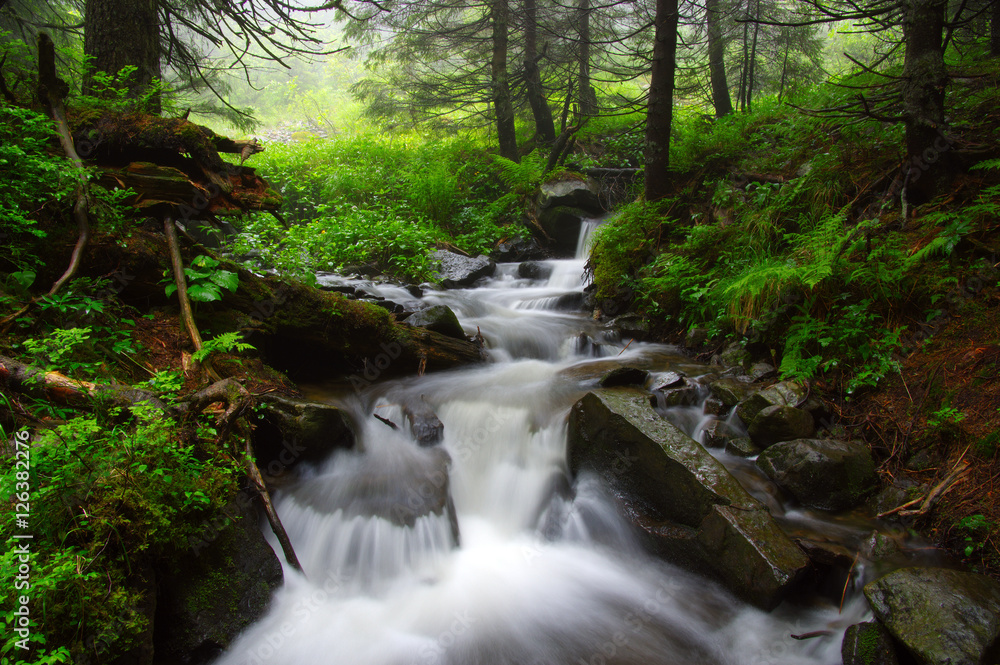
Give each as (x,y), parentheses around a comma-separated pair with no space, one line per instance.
(977,529)
(946,415)
(224,343)
(205,280)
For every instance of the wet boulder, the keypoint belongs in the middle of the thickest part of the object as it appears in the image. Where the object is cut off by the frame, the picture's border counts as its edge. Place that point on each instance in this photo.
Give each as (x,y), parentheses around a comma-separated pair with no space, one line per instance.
(571,192)
(292,430)
(518,249)
(742,447)
(459,271)
(425,426)
(691,509)
(730,391)
(941,617)
(534,270)
(438,318)
(734,355)
(785,393)
(718,432)
(781,423)
(220,586)
(625,376)
(821,473)
(868,644)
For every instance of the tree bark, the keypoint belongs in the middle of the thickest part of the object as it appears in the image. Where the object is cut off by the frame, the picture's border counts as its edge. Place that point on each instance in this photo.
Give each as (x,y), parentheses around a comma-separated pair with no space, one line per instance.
(716,60)
(588,98)
(545,129)
(995,29)
(752,64)
(661,101)
(924,82)
(741,96)
(500,81)
(121,33)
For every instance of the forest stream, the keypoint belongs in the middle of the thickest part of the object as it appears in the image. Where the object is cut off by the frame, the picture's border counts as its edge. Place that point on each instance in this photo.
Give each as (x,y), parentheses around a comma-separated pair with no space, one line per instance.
(528,564)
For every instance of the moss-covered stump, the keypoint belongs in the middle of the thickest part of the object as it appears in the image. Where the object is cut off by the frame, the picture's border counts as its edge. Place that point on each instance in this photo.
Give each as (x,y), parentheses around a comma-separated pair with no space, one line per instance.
(215,589)
(692,510)
(942,617)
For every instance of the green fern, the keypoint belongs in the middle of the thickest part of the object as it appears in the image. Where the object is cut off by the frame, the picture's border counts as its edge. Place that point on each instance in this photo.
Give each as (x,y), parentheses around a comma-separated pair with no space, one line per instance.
(224,343)
(524,176)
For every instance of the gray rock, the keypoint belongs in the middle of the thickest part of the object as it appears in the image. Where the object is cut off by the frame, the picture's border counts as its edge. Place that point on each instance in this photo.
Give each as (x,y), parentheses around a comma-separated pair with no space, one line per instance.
(292,430)
(714,406)
(534,270)
(717,433)
(631,326)
(223,584)
(762,370)
(735,355)
(571,192)
(780,423)
(692,511)
(868,644)
(730,390)
(942,617)
(742,447)
(821,473)
(878,546)
(625,376)
(695,338)
(785,393)
(687,395)
(669,380)
(518,249)
(438,318)
(459,271)
(425,426)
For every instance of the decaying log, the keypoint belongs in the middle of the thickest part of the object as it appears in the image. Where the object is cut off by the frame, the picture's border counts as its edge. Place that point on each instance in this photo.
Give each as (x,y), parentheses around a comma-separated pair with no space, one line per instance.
(53,386)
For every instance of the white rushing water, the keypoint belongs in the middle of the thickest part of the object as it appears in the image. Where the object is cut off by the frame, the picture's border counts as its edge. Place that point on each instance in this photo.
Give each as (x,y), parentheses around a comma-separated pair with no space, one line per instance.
(499,556)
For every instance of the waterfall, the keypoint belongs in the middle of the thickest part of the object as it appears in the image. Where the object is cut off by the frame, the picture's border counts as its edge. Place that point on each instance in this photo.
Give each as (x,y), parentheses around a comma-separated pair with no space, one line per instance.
(483,550)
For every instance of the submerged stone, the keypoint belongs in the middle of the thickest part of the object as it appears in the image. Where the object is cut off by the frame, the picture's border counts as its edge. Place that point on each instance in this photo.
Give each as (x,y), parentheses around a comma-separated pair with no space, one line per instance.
(438,318)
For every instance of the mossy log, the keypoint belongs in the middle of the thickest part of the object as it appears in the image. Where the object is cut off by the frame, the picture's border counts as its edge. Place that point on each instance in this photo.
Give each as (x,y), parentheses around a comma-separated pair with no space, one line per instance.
(171,161)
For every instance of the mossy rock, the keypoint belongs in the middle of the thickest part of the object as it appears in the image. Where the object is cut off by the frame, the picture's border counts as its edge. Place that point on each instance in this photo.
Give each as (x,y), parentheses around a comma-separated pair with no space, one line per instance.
(215,587)
(868,644)
(941,617)
(821,473)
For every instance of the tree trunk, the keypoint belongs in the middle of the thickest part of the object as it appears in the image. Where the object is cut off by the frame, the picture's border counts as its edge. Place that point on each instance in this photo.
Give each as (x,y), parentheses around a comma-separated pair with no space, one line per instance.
(924,82)
(545,129)
(122,33)
(995,29)
(500,81)
(784,68)
(588,99)
(661,101)
(716,60)
(741,97)
(752,65)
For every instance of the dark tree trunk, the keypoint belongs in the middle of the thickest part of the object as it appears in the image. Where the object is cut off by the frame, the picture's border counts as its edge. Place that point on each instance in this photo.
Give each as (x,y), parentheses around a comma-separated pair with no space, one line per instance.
(545,129)
(121,33)
(588,99)
(924,82)
(741,96)
(784,68)
(995,29)
(752,65)
(500,82)
(661,101)
(716,60)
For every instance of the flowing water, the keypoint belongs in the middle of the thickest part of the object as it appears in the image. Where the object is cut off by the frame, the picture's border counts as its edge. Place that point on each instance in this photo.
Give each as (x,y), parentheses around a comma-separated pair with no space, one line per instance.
(493,553)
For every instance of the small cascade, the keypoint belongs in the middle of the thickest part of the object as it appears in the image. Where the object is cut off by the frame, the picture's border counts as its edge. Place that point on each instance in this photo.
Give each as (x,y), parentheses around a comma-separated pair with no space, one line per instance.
(483,549)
